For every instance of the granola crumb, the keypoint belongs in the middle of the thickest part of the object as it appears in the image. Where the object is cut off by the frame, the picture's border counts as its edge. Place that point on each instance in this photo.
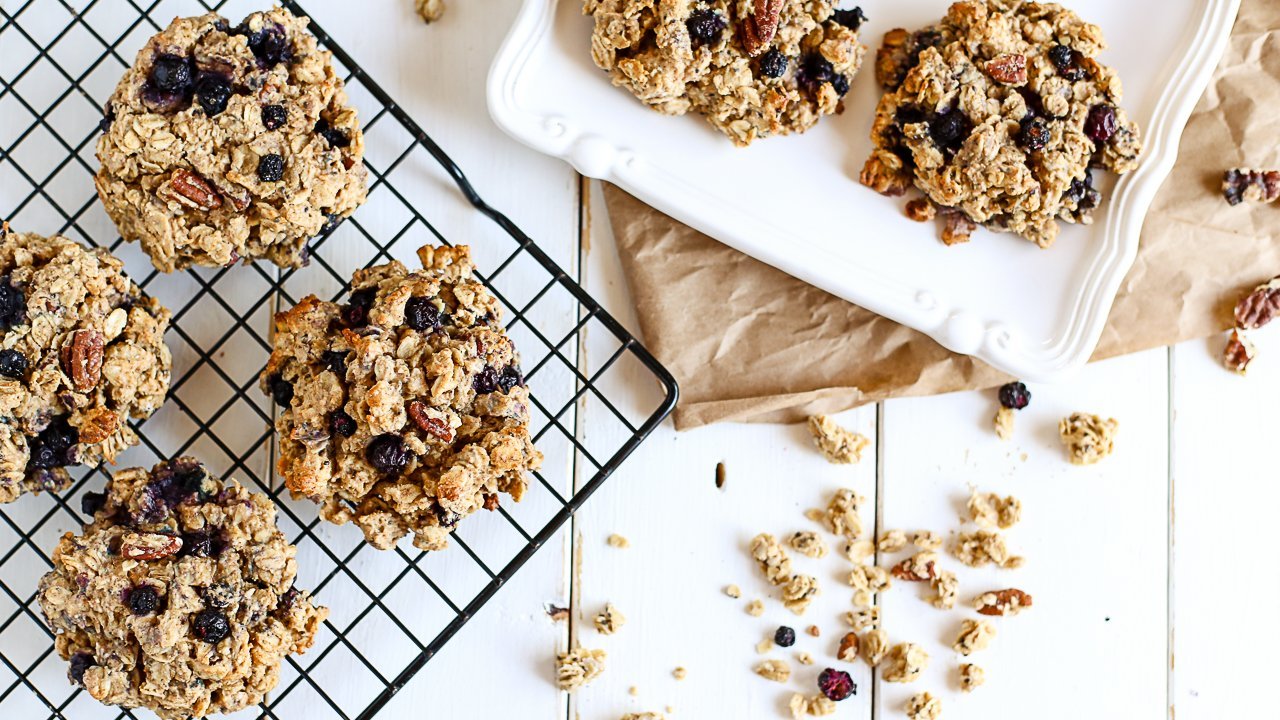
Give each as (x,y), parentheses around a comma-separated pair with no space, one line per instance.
(875,644)
(679,673)
(837,444)
(905,663)
(1002,602)
(892,541)
(814,630)
(1004,422)
(645,716)
(804,658)
(578,667)
(974,635)
(1088,438)
(808,543)
(859,551)
(816,515)
(945,587)
(926,540)
(799,592)
(633,691)
(989,510)
(820,706)
(848,650)
(971,676)
(764,646)
(921,210)
(775,670)
(867,581)
(617,541)
(924,707)
(983,547)
(733,591)
(755,608)
(609,620)
(430,10)
(865,619)
(556,612)
(771,559)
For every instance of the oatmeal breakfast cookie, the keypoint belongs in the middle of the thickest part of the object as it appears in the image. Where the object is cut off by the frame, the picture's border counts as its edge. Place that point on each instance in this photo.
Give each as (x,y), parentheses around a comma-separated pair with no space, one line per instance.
(81,352)
(998,114)
(403,410)
(179,596)
(753,68)
(224,143)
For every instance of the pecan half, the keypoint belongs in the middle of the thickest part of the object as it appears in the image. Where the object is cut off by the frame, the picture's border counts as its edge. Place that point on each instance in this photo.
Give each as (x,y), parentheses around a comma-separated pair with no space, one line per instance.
(149,546)
(1010,69)
(1002,602)
(1260,307)
(760,26)
(194,191)
(435,426)
(97,425)
(1238,353)
(81,359)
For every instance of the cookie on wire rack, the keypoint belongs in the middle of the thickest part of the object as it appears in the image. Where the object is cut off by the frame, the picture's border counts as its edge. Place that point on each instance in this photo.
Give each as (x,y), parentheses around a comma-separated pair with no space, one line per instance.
(227,143)
(81,352)
(404,409)
(179,596)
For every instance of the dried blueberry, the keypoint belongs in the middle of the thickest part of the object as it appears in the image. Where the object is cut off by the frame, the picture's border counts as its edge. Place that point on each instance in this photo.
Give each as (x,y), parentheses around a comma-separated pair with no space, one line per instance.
(211,626)
(1015,396)
(509,378)
(908,115)
(270,46)
(55,446)
(281,390)
(773,63)
(1067,62)
(356,311)
(1101,123)
(836,684)
(11,304)
(340,423)
(852,18)
(274,116)
(387,454)
(705,26)
(336,137)
(421,314)
(950,130)
(841,85)
(289,597)
(108,117)
(80,662)
(785,636)
(143,600)
(202,544)
(486,381)
(446,517)
(171,74)
(1034,134)
(13,364)
(270,168)
(335,361)
(92,502)
(212,92)
(815,70)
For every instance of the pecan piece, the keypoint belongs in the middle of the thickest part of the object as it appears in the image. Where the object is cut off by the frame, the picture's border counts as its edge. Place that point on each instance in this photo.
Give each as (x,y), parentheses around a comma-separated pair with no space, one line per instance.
(917,568)
(149,546)
(81,359)
(848,650)
(491,501)
(1260,307)
(760,26)
(194,191)
(921,210)
(1009,69)
(1002,602)
(1238,353)
(97,425)
(957,227)
(430,424)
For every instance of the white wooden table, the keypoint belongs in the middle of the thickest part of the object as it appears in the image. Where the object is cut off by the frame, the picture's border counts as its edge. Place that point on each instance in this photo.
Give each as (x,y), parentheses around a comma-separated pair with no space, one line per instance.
(1123,584)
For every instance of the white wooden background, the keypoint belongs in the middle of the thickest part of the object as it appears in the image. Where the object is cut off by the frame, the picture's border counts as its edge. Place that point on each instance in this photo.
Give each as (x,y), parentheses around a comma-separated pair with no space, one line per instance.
(1123,584)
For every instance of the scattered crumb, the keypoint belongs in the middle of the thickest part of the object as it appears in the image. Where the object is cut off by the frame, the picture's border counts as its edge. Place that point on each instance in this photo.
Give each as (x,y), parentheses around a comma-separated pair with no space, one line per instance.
(874,646)
(633,691)
(816,706)
(905,663)
(799,592)
(1088,438)
(808,543)
(926,540)
(617,541)
(974,635)
(843,514)
(771,558)
(816,515)
(989,510)
(971,676)
(858,551)
(609,620)
(867,580)
(837,444)
(755,608)
(804,658)
(645,716)
(679,673)
(775,670)
(921,210)
(578,667)
(982,548)
(764,646)
(430,10)
(945,587)
(1002,602)
(1004,422)
(865,619)
(924,707)
(557,613)
(892,541)
(813,630)
(733,591)
(848,650)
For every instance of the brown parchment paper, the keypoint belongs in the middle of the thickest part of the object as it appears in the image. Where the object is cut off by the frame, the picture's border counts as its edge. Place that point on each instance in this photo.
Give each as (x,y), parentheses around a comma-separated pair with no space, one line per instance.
(748,342)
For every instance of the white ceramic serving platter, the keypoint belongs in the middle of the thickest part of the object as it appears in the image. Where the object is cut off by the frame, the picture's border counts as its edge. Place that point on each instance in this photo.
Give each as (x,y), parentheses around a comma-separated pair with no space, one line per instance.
(795,202)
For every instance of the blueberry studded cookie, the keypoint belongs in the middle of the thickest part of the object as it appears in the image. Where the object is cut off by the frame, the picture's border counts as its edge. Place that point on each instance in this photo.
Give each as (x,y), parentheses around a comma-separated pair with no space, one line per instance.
(225,143)
(81,352)
(753,68)
(999,115)
(179,596)
(404,409)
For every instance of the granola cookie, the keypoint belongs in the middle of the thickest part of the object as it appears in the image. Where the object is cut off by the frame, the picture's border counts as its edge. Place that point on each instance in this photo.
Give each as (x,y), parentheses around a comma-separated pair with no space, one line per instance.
(81,352)
(403,410)
(998,113)
(179,596)
(224,143)
(753,68)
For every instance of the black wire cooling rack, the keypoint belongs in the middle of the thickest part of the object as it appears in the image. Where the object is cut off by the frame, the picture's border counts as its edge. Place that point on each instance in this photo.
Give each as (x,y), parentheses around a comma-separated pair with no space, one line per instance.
(59,61)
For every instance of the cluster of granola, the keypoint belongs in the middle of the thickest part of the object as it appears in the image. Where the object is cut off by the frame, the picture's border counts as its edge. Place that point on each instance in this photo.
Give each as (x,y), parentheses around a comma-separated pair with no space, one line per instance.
(1088,438)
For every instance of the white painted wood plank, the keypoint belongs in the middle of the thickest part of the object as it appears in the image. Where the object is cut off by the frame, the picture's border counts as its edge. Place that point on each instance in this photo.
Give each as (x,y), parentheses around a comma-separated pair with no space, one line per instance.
(1094,541)
(1224,458)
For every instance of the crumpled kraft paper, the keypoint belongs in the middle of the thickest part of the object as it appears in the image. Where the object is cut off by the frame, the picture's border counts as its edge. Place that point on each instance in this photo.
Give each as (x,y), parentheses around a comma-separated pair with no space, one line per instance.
(762,346)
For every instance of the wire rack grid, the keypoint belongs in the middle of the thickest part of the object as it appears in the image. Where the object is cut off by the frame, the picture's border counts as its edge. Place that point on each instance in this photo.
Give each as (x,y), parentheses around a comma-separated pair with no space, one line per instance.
(59,61)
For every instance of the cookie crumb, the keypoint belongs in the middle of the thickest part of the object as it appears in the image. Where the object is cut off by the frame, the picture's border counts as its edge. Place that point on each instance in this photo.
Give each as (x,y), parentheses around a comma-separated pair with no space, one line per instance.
(808,543)
(755,608)
(924,707)
(679,673)
(771,559)
(971,676)
(813,630)
(921,210)
(974,635)
(804,658)
(905,663)
(430,10)
(733,591)
(1004,423)
(1088,438)
(799,592)
(633,691)
(617,541)
(926,540)
(775,670)
(578,667)
(892,541)
(875,644)
(983,547)
(837,444)
(609,620)
(848,650)
(989,510)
